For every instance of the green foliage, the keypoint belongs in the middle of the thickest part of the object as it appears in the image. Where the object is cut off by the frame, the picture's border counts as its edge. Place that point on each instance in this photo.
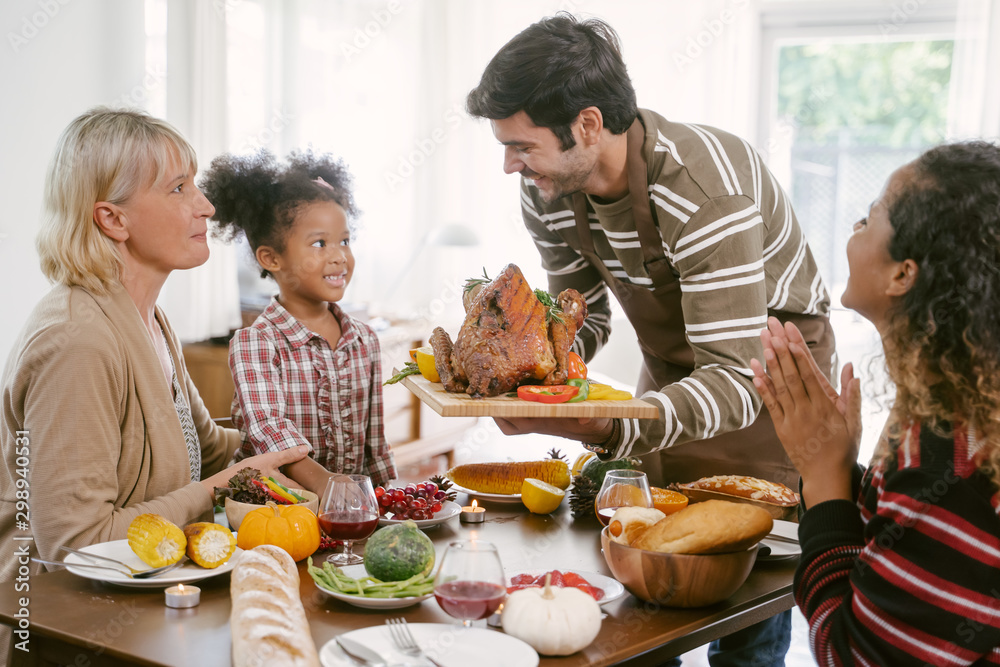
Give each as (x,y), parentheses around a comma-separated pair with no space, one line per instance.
(892,94)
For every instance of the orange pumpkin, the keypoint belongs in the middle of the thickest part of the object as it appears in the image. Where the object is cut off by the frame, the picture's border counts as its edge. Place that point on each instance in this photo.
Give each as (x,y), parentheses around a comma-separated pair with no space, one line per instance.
(294,528)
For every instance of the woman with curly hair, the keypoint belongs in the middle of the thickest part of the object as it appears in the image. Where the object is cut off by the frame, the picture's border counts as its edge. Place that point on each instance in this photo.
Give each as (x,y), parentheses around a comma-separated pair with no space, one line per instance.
(901,563)
(305,372)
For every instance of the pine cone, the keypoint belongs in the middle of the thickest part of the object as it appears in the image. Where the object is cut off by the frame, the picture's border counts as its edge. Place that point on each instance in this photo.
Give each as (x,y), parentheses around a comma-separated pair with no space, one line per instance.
(582,497)
(554,453)
(444,484)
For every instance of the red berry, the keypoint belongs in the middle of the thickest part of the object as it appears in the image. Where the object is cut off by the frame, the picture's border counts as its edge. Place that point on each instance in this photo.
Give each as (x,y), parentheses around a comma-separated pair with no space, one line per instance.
(379,492)
(436,507)
(397,494)
(431,487)
(440,495)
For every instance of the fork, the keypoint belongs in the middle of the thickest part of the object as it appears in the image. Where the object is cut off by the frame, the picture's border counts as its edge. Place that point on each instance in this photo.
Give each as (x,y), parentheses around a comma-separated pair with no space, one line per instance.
(91,556)
(404,641)
(142,574)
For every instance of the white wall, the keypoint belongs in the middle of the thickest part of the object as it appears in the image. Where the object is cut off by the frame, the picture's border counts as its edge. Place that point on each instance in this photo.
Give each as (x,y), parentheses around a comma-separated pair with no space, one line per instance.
(57,59)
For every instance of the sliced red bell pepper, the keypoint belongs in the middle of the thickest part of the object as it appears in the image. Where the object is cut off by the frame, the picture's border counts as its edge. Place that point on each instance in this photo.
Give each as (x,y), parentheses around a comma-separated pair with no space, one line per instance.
(271,494)
(556,393)
(577,369)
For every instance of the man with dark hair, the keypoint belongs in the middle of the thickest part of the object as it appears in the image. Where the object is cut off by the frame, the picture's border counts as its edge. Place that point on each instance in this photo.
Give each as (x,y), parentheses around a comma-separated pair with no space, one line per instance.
(695,238)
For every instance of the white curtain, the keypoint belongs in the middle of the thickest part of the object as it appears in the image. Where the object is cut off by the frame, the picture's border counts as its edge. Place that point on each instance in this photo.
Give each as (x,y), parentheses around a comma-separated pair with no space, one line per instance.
(974,98)
(203,302)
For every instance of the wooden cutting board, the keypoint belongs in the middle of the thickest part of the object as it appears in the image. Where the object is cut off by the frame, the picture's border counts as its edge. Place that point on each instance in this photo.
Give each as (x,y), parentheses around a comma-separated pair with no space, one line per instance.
(448,404)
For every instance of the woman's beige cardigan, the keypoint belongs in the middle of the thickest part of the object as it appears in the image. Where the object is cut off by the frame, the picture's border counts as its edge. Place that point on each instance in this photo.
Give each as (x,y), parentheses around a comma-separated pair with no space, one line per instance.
(100,436)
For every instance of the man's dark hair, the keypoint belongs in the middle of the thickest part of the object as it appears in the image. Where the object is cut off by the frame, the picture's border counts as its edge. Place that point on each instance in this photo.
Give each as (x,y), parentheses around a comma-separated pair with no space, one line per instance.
(553,70)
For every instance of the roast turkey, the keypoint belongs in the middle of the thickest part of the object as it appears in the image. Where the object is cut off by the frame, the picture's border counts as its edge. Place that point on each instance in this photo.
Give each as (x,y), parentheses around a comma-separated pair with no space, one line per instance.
(509,337)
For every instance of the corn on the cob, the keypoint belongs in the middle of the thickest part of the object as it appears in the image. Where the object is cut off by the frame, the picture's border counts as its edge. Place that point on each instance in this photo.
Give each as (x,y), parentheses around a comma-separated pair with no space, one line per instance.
(209,544)
(507,477)
(156,541)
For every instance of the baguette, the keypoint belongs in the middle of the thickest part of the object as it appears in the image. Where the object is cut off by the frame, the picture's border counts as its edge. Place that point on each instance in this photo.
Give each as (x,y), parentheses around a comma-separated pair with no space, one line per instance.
(267,622)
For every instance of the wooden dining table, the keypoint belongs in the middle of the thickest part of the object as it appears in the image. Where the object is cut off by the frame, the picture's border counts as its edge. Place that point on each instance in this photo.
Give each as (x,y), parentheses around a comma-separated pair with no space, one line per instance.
(78,621)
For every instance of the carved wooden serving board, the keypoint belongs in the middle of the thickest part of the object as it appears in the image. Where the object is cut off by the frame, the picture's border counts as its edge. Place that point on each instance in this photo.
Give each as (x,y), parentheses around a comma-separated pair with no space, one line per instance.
(448,404)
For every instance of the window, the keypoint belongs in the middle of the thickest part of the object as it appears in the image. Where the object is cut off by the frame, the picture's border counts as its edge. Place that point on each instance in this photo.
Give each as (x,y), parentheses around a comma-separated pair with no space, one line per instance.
(844,106)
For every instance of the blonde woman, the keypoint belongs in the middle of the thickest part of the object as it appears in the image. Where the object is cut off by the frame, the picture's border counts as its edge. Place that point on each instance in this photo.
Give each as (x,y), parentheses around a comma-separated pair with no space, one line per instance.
(97,405)
(901,565)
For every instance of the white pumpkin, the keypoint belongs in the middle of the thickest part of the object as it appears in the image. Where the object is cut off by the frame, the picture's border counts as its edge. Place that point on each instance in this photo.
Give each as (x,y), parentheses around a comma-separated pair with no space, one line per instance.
(554,621)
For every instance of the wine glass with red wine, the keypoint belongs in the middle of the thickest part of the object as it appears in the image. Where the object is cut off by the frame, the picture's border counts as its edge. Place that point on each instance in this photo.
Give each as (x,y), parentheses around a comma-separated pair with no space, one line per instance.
(622,488)
(348,511)
(470,583)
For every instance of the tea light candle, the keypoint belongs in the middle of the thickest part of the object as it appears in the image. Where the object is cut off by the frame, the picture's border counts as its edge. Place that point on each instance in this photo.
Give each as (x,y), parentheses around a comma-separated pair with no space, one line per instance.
(472,513)
(182,597)
(494,619)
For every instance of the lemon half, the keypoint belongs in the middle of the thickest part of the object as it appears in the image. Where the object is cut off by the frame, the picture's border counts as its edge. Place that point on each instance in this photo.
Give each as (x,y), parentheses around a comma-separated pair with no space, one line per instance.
(541,497)
(424,356)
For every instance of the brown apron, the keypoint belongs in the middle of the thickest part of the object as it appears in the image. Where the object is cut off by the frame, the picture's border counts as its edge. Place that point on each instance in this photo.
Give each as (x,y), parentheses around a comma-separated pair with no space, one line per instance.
(658,320)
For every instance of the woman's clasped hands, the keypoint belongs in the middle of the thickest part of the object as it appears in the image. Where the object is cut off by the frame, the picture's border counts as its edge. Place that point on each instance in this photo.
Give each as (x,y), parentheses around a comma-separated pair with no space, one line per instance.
(819,428)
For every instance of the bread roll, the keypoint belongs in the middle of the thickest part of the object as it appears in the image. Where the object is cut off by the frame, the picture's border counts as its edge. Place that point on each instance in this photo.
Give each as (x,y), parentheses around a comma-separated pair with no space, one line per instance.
(710,527)
(268,622)
(627,523)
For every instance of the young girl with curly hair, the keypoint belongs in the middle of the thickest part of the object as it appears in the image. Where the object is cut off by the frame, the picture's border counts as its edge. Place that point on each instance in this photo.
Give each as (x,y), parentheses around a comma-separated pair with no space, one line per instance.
(901,564)
(306,373)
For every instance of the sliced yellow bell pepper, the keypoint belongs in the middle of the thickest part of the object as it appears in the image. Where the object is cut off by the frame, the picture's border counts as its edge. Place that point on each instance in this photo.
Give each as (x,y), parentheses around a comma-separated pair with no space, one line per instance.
(279,492)
(605,392)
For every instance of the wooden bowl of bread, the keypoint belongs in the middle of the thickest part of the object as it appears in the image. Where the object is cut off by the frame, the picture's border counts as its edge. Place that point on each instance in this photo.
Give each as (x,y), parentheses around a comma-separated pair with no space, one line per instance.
(235,510)
(692,558)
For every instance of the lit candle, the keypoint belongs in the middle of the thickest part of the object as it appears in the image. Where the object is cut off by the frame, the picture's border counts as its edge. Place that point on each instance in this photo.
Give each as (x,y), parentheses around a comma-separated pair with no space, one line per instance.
(182,597)
(472,513)
(494,620)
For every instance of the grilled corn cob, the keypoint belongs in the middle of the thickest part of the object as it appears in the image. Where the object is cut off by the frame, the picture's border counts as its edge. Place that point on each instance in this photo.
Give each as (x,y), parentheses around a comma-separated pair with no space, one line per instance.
(209,544)
(507,477)
(156,541)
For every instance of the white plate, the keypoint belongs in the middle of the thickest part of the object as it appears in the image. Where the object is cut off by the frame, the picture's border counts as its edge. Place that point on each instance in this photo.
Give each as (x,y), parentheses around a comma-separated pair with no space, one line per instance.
(781,550)
(492,497)
(611,587)
(358,571)
(450,645)
(120,550)
(448,510)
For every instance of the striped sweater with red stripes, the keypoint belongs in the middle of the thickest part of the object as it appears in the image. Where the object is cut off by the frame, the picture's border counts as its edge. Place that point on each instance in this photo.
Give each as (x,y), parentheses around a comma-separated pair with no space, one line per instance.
(913,578)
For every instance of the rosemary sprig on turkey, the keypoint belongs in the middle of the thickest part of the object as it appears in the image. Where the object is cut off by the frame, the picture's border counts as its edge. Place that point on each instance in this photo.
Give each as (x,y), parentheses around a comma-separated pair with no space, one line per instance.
(554,313)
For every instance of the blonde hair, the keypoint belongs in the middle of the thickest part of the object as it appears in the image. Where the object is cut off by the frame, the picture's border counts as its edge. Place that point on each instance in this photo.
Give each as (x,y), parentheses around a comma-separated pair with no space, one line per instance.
(103,155)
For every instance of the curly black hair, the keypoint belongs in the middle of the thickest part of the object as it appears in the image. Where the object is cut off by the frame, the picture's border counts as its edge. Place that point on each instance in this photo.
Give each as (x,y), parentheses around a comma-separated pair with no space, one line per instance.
(553,70)
(258,196)
(943,339)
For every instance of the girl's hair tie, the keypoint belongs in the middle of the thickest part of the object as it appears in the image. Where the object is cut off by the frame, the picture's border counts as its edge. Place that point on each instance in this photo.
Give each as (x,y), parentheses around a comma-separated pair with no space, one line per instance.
(319,181)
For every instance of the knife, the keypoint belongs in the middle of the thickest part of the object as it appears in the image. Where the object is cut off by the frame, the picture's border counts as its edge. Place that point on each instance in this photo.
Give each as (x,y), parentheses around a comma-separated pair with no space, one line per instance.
(359,651)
